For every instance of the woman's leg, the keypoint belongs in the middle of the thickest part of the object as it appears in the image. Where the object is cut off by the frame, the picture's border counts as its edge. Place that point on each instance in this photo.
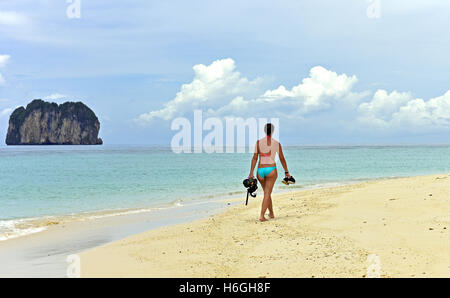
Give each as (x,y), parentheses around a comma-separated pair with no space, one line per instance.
(271,214)
(262,181)
(268,187)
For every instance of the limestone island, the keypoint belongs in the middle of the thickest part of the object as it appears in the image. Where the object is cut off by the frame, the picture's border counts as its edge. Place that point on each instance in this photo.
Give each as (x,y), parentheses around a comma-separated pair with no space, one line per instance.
(45,123)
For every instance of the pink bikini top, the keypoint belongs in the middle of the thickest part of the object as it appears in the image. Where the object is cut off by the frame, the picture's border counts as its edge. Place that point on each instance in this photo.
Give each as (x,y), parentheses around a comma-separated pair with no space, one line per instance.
(266,151)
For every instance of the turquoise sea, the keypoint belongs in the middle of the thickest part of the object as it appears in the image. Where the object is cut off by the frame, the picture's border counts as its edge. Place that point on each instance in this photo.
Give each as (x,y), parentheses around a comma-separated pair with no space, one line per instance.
(44,182)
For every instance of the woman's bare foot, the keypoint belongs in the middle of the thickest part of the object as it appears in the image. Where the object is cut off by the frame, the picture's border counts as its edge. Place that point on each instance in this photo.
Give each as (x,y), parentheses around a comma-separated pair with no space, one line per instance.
(271,215)
(262,219)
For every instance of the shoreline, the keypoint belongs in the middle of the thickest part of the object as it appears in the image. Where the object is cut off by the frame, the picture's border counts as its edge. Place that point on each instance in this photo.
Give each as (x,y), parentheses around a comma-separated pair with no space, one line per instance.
(44,254)
(328,232)
(23,227)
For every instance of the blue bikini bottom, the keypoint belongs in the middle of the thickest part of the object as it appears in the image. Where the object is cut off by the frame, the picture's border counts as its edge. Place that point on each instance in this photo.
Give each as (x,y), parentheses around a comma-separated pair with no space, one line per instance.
(263,172)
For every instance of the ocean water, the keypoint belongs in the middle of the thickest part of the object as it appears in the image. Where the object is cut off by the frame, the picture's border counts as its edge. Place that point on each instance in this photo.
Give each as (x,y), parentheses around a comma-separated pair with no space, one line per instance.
(40,185)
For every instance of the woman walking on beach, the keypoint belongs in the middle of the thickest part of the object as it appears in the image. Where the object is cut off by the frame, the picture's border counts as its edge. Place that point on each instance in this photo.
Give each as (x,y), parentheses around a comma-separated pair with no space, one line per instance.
(266,149)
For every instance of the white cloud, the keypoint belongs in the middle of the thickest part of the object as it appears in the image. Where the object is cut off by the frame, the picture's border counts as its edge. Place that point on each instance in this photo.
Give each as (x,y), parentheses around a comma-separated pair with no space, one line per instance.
(20,26)
(322,86)
(220,90)
(383,105)
(403,111)
(3,61)
(12,18)
(5,112)
(417,112)
(212,87)
(320,90)
(55,96)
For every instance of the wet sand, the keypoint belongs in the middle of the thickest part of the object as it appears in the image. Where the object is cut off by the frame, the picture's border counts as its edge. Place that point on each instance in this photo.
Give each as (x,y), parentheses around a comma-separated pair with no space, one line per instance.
(44,254)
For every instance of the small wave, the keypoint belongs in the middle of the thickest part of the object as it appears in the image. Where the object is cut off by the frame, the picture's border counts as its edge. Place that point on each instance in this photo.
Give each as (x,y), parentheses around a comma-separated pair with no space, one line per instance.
(178,203)
(10,229)
(110,213)
(19,233)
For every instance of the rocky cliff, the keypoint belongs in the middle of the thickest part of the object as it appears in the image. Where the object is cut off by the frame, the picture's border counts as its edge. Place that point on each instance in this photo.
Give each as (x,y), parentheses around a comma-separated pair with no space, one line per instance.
(44,123)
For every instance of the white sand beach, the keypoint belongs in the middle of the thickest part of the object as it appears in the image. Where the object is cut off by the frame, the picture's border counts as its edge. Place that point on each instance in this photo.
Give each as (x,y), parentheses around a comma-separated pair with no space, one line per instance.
(328,232)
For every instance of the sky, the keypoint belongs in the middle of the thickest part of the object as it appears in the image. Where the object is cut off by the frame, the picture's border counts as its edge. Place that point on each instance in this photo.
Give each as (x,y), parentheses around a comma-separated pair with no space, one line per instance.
(332,72)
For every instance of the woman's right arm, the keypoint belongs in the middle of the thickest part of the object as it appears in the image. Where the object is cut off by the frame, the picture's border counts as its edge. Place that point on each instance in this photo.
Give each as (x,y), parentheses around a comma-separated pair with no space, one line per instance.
(254,161)
(283,162)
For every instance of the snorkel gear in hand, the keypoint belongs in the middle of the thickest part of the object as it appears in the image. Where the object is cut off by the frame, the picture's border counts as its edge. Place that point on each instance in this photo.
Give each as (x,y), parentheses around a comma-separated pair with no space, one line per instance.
(252,186)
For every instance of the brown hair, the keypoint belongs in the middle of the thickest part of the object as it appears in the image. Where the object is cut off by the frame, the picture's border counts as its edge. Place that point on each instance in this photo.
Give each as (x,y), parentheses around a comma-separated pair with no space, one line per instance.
(268,129)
